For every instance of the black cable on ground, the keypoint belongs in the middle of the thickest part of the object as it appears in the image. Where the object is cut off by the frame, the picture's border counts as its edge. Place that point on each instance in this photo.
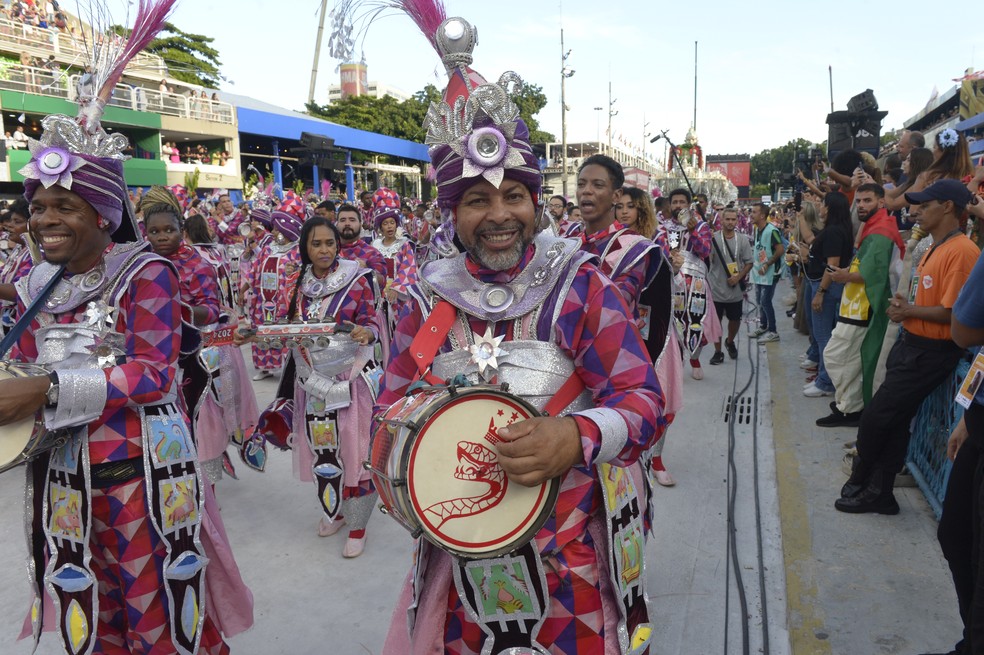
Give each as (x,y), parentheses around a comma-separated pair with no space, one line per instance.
(758,511)
(731,557)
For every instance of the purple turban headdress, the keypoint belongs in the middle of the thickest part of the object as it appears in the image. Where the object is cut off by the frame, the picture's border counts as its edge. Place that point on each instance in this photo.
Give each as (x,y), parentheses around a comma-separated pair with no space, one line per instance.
(385,204)
(475,132)
(96,179)
(287,224)
(262,216)
(77,153)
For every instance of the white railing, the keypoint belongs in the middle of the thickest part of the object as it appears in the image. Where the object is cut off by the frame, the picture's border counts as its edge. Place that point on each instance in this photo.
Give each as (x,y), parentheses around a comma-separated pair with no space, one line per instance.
(169,104)
(41,81)
(41,42)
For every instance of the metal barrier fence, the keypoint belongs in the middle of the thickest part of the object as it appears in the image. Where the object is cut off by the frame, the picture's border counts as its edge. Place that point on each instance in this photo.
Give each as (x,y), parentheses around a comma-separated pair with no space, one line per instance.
(138,98)
(42,42)
(38,81)
(930,431)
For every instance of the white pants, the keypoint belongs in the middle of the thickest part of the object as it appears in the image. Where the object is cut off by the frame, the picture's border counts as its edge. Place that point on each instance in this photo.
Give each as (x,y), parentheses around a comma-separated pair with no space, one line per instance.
(842,358)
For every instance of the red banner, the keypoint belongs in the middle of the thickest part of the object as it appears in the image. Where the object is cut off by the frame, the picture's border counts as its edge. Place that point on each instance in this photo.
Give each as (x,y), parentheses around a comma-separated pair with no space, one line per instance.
(739,172)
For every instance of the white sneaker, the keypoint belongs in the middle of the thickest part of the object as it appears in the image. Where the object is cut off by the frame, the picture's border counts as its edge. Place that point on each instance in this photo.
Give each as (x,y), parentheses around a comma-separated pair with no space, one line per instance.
(757,332)
(813,391)
(808,364)
(262,375)
(768,337)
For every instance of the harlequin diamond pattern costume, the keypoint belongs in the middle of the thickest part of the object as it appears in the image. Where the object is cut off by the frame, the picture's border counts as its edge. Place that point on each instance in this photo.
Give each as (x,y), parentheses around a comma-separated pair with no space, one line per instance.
(692,303)
(556,317)
(276,262)
(119,532)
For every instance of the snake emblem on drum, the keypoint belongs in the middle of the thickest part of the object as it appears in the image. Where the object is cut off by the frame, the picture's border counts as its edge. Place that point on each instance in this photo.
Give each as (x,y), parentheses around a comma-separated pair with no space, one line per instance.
(478,463)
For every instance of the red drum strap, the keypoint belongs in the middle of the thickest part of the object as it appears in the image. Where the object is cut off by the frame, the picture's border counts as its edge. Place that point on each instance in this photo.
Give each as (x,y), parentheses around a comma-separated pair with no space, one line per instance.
(430,338)
(432,335)
(570,390)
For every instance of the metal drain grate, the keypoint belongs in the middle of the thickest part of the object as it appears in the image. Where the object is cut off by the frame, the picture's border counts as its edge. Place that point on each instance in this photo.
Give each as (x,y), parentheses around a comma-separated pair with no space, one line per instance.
(743,411)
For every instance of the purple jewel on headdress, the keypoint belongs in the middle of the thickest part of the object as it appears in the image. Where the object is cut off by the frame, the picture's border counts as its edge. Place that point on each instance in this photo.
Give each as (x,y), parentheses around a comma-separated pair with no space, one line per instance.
(488,153)
(53,165)
(486,146)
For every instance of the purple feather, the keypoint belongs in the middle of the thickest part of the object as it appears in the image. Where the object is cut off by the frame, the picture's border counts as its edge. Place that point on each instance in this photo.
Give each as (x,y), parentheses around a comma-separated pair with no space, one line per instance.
(150,19)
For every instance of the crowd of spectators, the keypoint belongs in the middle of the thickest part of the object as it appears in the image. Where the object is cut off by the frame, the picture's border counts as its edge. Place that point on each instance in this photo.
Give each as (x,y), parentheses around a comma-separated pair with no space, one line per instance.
(197,154)
(39,14)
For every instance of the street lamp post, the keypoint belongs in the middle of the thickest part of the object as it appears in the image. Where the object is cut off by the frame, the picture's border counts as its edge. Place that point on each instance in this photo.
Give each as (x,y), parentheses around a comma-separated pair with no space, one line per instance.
(598,126)
(565,72)
(611,113)
(645,138)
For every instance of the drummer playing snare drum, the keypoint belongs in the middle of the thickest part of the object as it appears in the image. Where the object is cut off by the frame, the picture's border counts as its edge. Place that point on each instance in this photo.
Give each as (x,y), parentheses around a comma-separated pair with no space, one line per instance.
(120,505)
(332,400)
(531,310)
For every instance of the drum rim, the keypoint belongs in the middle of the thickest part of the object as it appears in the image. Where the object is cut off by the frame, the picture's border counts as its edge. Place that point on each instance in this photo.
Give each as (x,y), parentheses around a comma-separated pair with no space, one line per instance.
(549,490)
(37,432)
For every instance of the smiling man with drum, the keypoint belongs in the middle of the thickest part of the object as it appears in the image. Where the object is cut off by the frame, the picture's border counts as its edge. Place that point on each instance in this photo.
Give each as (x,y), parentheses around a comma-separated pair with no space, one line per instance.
(115,507)
(532,311)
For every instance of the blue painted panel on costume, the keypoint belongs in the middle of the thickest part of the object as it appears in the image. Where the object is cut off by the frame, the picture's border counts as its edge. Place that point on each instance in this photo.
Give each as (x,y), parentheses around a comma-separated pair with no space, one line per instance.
(71,578)
(186,566)
(171,440)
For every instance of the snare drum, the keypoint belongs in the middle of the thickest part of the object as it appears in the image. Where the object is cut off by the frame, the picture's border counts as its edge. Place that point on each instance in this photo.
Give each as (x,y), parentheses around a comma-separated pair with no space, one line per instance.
(433,460)
(23,441)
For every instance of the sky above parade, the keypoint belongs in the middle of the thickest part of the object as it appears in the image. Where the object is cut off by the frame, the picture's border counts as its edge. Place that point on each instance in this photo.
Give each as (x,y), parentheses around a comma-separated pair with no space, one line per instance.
(761,66)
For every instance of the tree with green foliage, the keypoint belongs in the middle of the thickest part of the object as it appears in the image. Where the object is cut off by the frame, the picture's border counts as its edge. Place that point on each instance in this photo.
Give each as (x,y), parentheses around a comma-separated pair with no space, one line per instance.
(188,57)
(776,161)
(530,101)
(405,119)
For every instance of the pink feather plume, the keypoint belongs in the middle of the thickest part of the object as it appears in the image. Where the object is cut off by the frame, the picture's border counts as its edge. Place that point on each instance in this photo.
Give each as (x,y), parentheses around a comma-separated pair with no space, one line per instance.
(150,19)
(325,188)
(427,14)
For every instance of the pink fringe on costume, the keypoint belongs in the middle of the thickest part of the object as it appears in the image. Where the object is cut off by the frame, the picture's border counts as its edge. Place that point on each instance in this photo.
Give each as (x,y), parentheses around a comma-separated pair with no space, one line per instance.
(669,371)
(712,324)
(354,424)
(216,422)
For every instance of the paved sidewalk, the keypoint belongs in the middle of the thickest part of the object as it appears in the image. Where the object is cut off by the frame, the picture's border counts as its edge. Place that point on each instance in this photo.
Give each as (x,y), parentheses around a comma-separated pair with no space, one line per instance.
(834,583)
(857,584)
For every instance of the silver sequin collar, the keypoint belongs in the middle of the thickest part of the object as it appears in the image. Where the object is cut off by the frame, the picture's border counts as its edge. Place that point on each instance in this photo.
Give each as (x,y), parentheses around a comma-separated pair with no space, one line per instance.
(336,280)
(72,292)
(450,279)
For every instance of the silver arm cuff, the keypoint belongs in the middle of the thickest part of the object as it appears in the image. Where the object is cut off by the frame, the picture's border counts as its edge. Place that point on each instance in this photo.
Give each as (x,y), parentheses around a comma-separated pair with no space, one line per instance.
(614,431)
(81,398)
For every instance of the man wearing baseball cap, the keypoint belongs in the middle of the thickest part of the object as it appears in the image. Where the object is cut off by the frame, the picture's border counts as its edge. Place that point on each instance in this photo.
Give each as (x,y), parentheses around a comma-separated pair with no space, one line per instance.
(924,355)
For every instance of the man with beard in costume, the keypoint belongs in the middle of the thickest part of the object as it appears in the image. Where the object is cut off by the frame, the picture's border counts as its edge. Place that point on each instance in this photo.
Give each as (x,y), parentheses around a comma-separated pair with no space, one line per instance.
(570,347)
(349,223)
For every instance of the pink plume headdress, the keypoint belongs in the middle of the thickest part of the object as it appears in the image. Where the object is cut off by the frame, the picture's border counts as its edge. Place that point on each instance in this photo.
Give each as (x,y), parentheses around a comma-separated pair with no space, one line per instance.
(78,154)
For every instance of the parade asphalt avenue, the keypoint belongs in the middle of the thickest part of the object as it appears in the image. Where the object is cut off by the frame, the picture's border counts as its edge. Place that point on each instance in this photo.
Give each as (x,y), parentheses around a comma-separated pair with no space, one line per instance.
(834,583)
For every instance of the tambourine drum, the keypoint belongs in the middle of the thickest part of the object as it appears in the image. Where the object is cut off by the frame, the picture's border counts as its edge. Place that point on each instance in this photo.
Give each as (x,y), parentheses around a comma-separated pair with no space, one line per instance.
(23,441)
(434,462)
